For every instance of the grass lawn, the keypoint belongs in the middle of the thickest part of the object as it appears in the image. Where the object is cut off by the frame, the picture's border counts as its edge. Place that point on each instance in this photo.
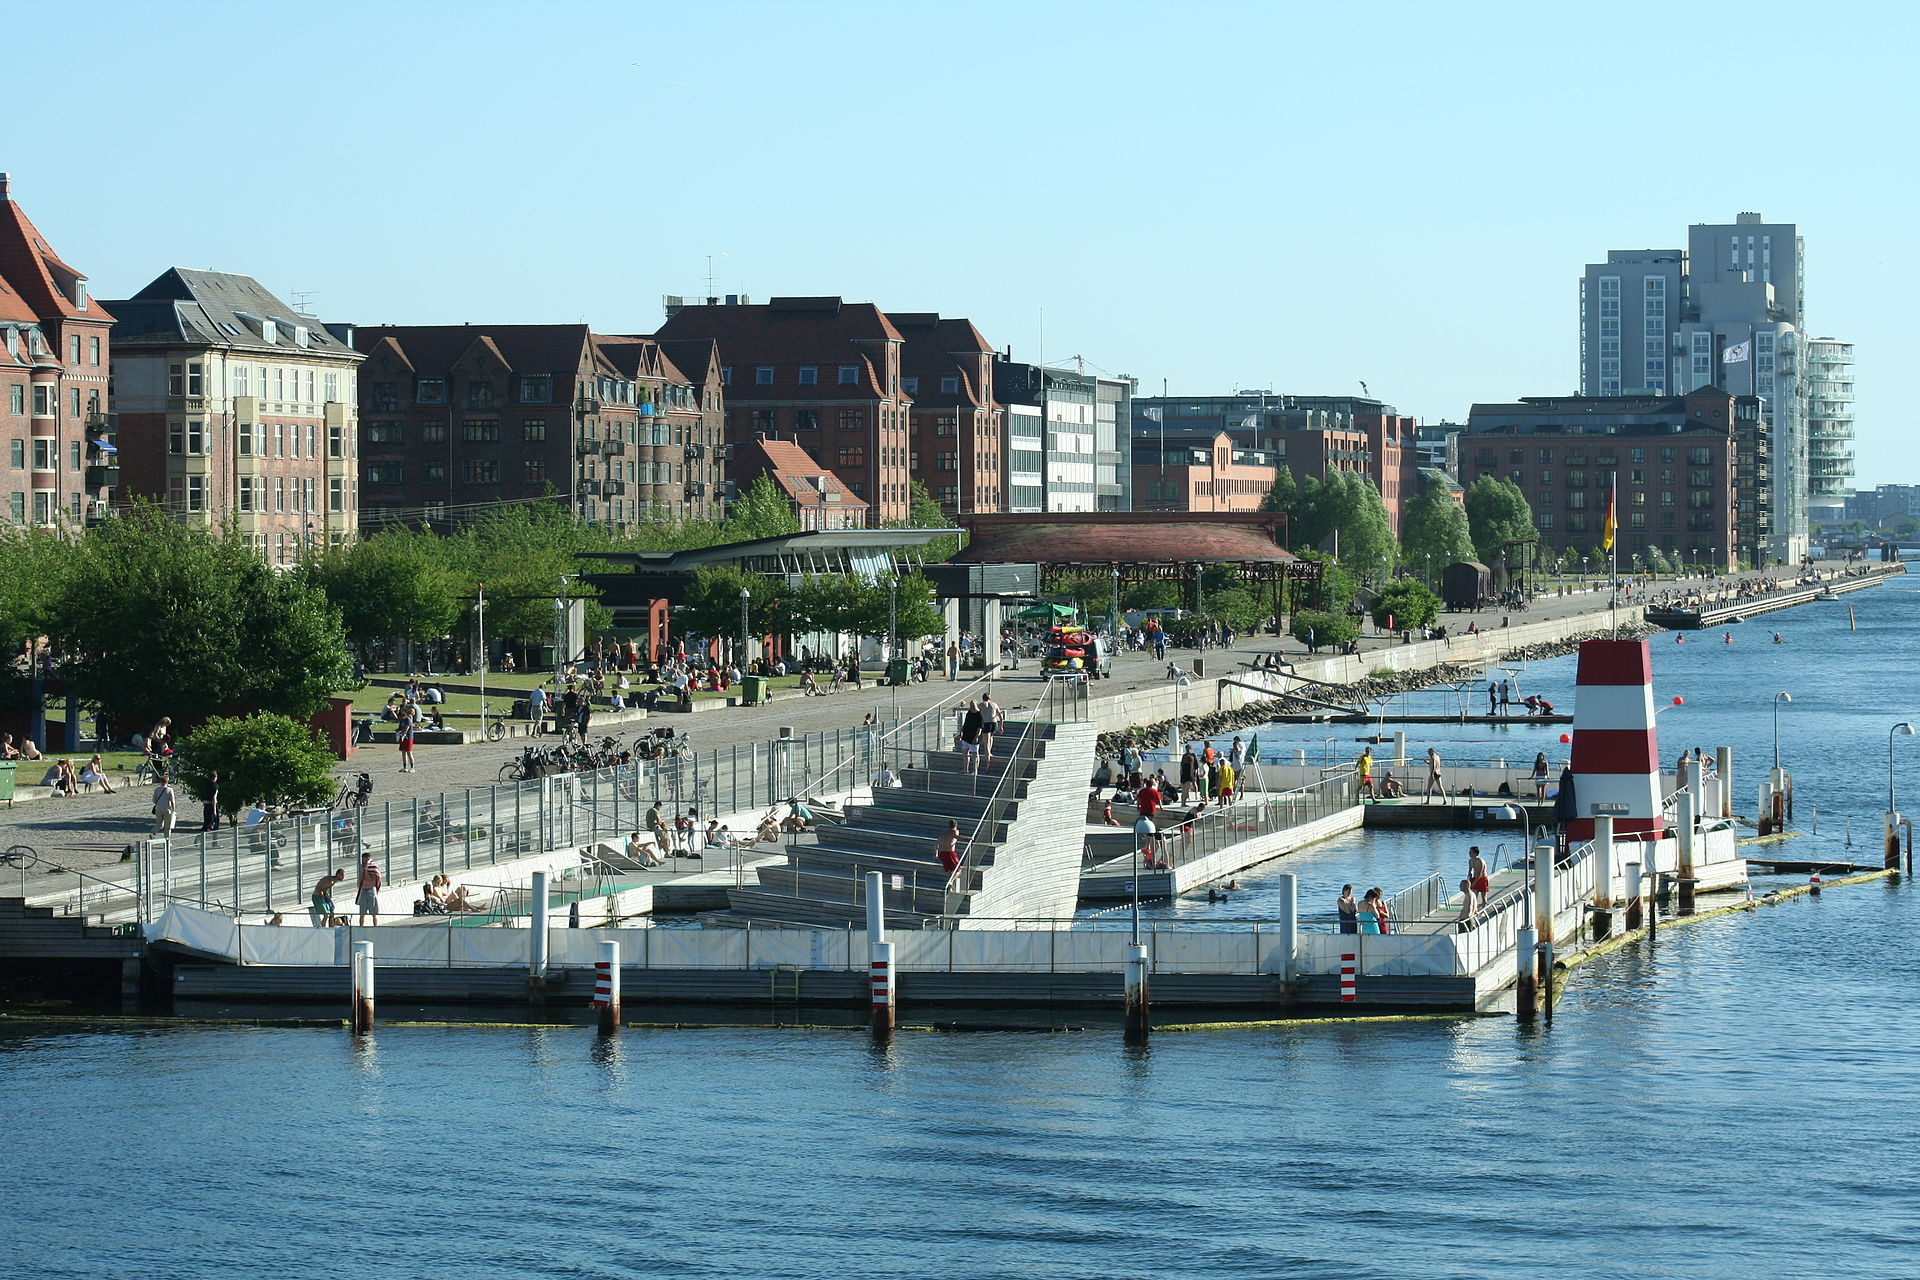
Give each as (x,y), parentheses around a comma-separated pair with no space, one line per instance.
(466,706)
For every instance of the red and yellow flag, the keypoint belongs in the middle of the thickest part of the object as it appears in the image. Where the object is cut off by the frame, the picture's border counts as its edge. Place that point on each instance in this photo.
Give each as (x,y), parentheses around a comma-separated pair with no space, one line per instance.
(1606,530)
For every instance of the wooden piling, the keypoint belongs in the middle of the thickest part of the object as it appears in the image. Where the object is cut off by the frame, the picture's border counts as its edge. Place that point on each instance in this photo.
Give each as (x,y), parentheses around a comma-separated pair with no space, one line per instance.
(1526,975)
(1139,1012)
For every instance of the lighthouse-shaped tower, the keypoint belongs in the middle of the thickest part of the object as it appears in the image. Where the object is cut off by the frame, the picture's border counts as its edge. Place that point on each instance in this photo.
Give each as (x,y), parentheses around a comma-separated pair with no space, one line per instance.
(1616,755)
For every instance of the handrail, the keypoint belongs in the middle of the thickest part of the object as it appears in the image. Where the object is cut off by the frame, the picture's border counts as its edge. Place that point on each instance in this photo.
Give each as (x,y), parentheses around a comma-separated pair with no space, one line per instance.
(1027,749)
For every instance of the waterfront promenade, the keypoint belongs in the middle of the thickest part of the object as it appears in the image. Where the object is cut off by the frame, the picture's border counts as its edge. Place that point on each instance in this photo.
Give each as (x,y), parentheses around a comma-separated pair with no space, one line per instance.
(86,833)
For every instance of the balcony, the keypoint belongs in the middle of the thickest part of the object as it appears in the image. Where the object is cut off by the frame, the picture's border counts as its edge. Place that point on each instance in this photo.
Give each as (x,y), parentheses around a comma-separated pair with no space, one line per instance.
(586,405)
(590,488)
(587,446)
(103,421)
(102,476)
(613,488)
(613,448)
(697,489)
(696,452)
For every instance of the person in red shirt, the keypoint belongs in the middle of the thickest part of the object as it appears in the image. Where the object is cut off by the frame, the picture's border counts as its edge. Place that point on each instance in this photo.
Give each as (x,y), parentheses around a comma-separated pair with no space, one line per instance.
(1147,799)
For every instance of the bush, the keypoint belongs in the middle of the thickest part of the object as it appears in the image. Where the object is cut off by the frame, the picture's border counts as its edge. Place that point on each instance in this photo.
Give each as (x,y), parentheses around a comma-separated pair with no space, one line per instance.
(258,757)
(1333,629)
(1409,603)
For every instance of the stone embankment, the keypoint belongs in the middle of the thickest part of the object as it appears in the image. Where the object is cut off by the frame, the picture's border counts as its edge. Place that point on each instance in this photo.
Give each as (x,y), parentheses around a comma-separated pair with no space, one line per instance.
(1357,693)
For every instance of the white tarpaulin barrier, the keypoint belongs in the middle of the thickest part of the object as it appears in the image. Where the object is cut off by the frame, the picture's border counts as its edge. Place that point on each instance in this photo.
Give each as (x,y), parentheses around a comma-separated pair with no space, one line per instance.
(1395,954)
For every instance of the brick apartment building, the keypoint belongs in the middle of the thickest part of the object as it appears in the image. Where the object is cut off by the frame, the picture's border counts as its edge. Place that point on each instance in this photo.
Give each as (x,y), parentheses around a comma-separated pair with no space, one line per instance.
(459,419)
(1311,436)
(957,425)
(821,372)
(54,366)
(234,408)
(1199,471)
(1677,461)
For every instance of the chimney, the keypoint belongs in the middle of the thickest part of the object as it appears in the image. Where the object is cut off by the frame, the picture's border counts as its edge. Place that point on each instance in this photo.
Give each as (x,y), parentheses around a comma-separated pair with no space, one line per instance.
(3,187)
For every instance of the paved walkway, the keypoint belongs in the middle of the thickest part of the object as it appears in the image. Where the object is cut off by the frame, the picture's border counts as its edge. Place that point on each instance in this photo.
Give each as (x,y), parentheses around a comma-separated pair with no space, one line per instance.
(58,828)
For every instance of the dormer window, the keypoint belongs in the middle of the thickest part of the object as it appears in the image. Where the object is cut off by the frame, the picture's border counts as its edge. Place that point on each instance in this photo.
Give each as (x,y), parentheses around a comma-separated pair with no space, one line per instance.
(79,295)
(269,331)
(299,335)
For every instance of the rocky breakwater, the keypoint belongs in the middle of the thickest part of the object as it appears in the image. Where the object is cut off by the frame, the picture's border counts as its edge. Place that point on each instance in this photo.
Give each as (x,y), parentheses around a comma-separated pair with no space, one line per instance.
(1358,694)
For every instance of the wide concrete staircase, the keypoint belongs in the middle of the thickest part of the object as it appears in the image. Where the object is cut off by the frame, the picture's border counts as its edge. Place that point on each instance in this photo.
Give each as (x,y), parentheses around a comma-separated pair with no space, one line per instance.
(1020,822)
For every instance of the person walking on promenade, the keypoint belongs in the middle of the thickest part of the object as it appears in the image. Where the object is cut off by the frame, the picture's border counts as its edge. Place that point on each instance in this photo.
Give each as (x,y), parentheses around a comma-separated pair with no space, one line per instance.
(403,735)
(537,709)
(972,726)
(164,802)
(1478,881)
(366,897)
(1237,753)
(1433,776)
(1363,774)
(1540,776)
(953,659)
(210,803)
(1189,773)
(1348,909)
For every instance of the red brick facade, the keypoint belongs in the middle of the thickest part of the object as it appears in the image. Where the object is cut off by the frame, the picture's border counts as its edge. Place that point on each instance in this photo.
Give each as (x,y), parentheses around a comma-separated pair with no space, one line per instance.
(957,425)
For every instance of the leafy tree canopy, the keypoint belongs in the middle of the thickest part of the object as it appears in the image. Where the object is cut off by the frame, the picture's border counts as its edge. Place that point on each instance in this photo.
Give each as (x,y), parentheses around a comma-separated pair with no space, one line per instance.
(258,757)
(1407,602)
(1434,533)
(1496,511)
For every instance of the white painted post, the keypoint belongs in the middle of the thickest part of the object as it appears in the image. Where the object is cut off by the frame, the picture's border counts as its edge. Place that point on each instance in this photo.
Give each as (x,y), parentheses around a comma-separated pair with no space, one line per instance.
(1603,862)
(1287,914)
(1891,858)
(1686,845)
(537,944)
(1300,757)
(606,986)
(362,970)
(990,632)
(1724,760)
(1630,877)
(1400,747)
(1138,1018)
(876,911)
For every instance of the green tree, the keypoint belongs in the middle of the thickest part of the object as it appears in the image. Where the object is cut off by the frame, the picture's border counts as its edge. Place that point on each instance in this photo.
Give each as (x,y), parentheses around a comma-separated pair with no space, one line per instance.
(1496,511)
(1284,494)
(1358,515)
(1336,588)
(916,614)
(1311,524)
(925,513)
(33,568)
(1334,629)
(763,511)
(160,618)
(258,757)
(1434,533)
(396,584)
(1408,603)
(711,605)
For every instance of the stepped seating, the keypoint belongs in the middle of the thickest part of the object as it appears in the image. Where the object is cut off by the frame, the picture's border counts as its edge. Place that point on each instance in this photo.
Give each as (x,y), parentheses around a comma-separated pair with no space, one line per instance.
(822,883)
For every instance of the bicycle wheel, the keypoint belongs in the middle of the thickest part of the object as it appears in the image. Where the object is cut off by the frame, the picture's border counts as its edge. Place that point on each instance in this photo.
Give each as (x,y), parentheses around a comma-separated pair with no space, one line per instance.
(496,731)
(510,771)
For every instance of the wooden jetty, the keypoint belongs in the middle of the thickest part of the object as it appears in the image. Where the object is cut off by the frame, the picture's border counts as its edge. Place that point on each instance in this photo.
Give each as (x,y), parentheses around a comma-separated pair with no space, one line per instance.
(1730,612)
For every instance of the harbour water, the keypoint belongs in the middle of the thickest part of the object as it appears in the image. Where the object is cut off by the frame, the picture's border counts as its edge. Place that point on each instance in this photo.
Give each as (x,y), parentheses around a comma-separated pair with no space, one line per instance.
(1735,1100)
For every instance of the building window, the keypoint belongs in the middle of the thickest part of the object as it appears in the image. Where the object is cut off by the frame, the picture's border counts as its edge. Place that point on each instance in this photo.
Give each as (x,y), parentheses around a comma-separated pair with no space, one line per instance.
(385,433)
(533,470)
(533,430)
(726,375)
(336,494)
(1666,498)
(849,375)
(383,472)
(483,471)
(480,393)
(431,391)
(809,375)
(806,420)
(852,419)
(536,388)
(481,431)
(763,376)
(763,420)
(433,433)
(1546,477)
(853,455)
(17,400)
(17,507)
(1699,457)
(433,473)
(44,456)
(950,386)
(381,399)
(46,403)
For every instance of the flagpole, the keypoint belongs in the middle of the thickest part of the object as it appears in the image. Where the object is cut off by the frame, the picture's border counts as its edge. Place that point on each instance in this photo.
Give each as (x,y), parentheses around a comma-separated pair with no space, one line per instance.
(1613,548)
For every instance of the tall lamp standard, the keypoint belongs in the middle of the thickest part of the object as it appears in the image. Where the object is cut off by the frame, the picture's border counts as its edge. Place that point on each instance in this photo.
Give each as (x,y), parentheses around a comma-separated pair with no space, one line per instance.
(1113,613)
(1905,727)
(1779,698)
(746,597)
(1181,679)
(480,647)
(1892,861)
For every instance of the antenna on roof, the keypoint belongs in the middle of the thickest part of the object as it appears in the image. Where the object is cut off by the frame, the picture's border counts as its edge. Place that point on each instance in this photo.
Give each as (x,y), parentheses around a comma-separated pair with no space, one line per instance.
(1365,392)
(303,302)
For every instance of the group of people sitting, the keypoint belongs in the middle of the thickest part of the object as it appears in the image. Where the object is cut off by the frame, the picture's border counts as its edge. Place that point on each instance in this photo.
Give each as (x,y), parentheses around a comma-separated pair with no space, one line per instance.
(60,775)
(439,897)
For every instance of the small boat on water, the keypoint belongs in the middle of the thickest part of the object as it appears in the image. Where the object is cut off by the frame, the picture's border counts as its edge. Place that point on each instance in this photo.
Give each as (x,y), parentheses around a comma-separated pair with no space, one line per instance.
(1826,593)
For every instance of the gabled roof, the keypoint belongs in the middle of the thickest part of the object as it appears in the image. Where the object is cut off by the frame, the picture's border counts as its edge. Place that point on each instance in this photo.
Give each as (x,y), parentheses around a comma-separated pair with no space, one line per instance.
(35,284)
(218,309)
(697,359)
(431,349)
(938,348)
(803,480)
(786,332)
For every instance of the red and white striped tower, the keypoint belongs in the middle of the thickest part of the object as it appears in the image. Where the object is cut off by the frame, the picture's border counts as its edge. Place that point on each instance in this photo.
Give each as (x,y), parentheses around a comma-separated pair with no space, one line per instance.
(1616,753)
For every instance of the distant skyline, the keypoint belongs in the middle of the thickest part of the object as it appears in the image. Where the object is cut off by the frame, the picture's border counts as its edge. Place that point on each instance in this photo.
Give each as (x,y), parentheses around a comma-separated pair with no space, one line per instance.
(1210,197)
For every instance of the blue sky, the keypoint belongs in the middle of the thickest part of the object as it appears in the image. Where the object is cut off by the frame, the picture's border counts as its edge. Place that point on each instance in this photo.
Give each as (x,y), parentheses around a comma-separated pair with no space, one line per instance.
(1216,195)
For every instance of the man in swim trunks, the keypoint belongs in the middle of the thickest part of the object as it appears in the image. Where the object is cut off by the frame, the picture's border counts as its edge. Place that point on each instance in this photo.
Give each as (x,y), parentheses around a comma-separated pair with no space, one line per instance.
(320,906)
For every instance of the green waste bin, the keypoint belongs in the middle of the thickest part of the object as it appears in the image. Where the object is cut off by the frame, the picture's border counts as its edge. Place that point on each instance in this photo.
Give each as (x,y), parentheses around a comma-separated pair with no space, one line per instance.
(7,768)
(899,671)
(753,690)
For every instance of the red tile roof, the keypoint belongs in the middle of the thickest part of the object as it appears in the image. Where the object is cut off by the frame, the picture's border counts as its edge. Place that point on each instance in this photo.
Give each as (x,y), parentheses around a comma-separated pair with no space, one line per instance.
(1175,537)
(787,332)
(943,348)
(38,285)
(795,471)
(525,348)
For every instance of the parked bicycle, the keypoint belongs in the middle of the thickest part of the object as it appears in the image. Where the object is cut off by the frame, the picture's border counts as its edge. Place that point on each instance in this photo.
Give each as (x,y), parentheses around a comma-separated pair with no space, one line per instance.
(353,794)
(495,722)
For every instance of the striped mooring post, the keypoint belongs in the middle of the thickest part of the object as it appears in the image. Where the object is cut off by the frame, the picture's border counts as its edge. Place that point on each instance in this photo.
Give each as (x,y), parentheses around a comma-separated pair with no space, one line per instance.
(880,994)
(606,986)
(362,969)
(1349,967)
(1616,751)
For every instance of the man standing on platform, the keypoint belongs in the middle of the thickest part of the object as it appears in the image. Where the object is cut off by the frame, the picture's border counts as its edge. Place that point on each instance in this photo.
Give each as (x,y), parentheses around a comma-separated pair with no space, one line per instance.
(1433,776)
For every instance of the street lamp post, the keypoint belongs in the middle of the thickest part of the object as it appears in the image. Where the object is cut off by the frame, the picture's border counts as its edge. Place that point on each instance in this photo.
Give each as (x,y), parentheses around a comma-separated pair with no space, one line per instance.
(1113,624)
(1905,727)
(1778,698)
(1180,681)
(1892,861)
(480,647)
(746,598)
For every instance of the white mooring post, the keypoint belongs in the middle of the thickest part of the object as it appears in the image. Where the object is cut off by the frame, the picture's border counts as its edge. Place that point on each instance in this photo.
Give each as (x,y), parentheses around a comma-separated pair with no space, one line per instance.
(1287,913)
(362,969)
(1139,1019)
(1525,943)
(537,937)
(1630,875)
(606,986)
(1724,762)
(1684,808)
(881,997)
(1543,855)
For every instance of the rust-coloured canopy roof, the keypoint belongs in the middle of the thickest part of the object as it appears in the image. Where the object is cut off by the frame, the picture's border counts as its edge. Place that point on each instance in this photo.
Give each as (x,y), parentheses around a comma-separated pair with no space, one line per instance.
(1122,537)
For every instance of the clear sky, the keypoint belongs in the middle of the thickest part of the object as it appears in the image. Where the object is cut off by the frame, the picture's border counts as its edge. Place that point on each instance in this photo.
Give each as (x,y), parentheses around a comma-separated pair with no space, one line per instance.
(1217,195)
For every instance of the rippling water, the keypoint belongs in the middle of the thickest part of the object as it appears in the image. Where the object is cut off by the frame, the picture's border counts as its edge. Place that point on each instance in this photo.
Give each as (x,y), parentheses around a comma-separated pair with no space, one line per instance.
(1734,1101)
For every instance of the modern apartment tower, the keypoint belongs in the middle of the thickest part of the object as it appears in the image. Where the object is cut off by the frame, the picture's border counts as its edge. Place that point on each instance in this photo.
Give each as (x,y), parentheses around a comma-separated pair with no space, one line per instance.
(1728,311)
(1829,428)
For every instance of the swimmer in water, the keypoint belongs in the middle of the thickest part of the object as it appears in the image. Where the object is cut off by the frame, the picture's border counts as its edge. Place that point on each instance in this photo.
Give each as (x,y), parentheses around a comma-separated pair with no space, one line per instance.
(1678,638)
(1777,639)
(1726,637)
